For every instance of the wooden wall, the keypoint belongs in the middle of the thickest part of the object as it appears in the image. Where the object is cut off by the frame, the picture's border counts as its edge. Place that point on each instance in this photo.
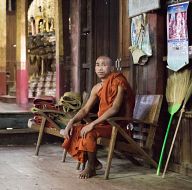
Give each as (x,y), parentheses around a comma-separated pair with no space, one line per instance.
(151,79)
(98,36)
(124,41)
(181,157)
(105,27)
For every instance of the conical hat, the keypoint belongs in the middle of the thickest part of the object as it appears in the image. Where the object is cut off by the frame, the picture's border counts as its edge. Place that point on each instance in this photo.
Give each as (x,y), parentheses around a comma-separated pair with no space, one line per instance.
(137,54)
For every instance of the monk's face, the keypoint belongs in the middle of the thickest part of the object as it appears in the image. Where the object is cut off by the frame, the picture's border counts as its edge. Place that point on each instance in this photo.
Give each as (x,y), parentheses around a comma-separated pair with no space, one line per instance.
(103,67)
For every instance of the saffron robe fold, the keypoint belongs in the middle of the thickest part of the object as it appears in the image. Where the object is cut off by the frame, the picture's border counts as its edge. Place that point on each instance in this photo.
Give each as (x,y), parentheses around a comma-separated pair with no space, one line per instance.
(76,146)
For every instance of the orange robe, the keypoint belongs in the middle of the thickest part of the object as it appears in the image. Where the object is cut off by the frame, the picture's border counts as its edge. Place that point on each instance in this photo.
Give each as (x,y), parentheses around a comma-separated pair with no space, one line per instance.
(77,146)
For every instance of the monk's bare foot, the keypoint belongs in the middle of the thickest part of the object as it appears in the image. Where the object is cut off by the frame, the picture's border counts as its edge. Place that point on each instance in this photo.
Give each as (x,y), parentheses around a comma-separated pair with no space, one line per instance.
(87,173)
(98,165)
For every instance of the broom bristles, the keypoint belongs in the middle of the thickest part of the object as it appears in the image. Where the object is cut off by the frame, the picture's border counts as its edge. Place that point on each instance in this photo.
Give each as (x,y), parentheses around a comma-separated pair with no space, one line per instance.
(177,86)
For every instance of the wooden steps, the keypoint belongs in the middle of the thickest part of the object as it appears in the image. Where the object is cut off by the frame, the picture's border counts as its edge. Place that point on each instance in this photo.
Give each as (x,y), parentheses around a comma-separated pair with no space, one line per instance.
(14,120)
(17,131)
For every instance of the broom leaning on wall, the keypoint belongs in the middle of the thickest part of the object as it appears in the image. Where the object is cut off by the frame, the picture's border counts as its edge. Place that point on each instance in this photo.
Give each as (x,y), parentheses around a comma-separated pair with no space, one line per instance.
(188,95)
(177,86)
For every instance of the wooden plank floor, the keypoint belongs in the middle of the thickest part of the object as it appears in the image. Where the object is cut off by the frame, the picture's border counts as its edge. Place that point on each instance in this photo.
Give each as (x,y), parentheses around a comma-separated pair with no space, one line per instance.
(21,170)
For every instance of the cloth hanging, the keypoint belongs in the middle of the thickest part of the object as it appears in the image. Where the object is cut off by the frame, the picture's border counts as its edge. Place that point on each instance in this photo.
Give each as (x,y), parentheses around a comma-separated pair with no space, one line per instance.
(141,47)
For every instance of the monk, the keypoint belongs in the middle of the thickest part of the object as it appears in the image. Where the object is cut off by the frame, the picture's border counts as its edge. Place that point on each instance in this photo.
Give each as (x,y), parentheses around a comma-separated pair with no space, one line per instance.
(114,95)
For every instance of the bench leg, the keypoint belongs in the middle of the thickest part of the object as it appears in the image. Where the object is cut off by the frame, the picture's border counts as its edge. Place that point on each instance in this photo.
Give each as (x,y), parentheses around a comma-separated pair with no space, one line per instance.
(78,165)
(111,150)
(64,155)
(40,136)
(83,166)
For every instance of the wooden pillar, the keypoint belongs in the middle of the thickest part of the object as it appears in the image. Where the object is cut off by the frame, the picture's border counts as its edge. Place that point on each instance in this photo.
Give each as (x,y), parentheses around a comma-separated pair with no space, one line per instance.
(62,47)
(124,28)
(75,44)
(59,48)
(89,54)
(3,45)
(21,53)
(125,43)
(59,45)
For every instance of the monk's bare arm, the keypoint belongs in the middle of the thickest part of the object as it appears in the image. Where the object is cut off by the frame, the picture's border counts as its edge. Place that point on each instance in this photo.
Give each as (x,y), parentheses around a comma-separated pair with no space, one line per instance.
(89,104)
(109,113)
(81,113)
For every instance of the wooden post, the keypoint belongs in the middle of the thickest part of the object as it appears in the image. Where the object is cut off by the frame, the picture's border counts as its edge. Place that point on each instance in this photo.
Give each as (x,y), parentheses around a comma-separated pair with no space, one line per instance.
(75,44)
(62,47)
(59,45)
(21,53)
(89,53)
(3,46)
(125,43)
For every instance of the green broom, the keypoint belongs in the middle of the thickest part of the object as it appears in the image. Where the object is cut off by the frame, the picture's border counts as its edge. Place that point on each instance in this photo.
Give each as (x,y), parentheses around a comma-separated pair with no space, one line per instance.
(188,95)
(177,86)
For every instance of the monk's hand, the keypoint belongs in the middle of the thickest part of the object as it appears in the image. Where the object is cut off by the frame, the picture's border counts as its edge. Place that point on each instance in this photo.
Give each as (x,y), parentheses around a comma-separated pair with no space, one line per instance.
(86,129)
(68,130)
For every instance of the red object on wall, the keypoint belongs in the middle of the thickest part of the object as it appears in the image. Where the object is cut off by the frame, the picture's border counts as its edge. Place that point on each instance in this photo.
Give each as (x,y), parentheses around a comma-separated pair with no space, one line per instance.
(22,87)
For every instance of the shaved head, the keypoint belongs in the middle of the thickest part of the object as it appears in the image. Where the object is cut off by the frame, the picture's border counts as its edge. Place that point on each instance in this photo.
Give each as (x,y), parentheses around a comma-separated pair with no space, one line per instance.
(106,59)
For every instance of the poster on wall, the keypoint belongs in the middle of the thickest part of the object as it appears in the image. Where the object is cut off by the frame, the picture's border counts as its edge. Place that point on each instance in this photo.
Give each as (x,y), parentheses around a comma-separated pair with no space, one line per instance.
(136,7)
(177,36)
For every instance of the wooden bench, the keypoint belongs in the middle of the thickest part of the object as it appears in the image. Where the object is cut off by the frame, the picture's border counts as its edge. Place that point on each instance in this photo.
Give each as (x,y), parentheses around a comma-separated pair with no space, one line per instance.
(144,121)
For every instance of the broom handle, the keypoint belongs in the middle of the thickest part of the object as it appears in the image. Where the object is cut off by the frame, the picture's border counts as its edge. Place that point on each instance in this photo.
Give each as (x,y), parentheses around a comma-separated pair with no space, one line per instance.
(163,147)
(173,141)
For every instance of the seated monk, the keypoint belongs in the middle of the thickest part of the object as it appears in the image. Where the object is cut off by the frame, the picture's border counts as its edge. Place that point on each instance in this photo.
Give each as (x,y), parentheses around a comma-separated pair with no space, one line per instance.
(114,95)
